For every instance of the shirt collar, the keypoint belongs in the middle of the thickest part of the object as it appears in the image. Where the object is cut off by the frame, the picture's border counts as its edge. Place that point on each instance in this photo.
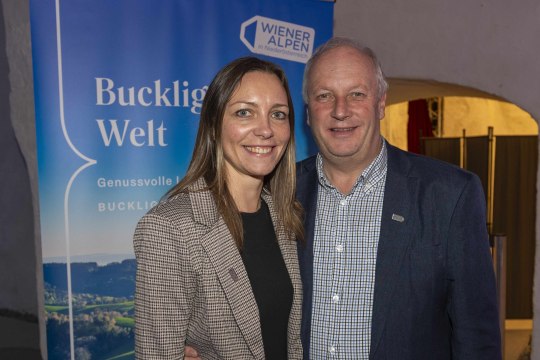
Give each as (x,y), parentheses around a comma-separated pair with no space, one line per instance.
(371,175)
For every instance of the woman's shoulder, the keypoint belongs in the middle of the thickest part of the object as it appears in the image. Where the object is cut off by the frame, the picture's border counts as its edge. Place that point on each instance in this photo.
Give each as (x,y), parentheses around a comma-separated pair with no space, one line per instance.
(174,208)
(178,204)
(188,205)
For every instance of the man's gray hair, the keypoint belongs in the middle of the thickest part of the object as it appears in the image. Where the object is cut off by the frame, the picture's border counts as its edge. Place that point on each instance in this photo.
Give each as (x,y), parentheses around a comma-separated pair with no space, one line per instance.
(337,42)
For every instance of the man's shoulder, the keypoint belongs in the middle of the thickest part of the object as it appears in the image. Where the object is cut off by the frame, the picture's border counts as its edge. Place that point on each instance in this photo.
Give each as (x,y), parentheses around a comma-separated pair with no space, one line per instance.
(306,178)
(306,166)
(426,168)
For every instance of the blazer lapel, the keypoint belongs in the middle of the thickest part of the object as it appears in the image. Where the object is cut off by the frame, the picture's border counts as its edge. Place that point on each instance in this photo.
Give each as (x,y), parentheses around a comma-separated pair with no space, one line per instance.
(227,262)
(290,257)
(397,223)
(306,193)
(286,245)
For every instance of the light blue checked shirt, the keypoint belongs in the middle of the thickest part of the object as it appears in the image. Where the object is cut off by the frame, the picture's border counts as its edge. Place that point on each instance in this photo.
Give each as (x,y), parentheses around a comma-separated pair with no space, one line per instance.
(347,231)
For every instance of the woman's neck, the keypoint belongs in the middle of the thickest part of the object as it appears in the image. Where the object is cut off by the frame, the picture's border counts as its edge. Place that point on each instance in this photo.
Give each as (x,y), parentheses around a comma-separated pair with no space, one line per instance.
(246,194)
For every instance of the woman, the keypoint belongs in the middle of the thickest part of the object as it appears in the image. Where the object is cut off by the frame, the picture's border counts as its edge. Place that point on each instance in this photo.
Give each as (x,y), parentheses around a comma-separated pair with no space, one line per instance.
(216,262)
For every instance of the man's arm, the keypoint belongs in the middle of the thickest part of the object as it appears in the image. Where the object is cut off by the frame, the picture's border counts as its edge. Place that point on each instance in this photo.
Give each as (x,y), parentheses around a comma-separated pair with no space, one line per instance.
(472,305)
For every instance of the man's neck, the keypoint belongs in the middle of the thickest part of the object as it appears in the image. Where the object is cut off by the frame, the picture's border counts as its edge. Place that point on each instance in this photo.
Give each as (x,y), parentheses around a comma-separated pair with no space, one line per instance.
(342,178)
(344,172)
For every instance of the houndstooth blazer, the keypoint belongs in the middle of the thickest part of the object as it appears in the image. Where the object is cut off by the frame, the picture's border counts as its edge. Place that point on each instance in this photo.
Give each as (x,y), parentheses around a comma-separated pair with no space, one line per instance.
(192,287)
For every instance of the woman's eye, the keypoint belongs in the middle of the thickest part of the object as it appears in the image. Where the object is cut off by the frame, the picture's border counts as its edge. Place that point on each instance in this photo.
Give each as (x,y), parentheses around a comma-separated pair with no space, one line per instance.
(280,115)
(242,113)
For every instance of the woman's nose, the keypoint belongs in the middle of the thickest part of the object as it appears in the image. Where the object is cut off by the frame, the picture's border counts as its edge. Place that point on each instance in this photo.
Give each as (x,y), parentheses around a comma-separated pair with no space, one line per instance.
(264,129)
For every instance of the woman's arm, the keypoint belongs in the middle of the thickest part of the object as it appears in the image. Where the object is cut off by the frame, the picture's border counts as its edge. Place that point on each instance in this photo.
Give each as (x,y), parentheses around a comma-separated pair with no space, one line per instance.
(165,288)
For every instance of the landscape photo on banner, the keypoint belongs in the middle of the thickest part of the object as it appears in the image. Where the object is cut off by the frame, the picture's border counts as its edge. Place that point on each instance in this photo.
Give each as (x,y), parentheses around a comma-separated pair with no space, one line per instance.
(118,92)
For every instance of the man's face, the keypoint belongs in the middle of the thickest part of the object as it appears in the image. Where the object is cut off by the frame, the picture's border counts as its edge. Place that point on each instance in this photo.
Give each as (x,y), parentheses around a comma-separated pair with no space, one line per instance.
(344,110)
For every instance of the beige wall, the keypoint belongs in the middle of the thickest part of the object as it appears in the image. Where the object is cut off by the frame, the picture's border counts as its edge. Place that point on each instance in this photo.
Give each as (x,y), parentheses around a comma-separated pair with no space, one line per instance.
(394,125)
(477,114)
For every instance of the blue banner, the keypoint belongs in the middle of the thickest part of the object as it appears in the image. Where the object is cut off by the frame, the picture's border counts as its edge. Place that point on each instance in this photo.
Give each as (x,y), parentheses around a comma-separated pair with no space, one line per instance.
(118,92)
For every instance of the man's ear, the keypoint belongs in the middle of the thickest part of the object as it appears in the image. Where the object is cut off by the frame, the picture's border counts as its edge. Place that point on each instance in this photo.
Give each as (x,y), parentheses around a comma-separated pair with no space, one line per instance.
(307,116)
(381,105)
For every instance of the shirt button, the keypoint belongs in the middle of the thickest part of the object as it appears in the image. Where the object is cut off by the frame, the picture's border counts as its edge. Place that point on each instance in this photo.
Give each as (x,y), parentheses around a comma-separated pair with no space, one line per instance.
(343,202)
(335,298)
(332,350)
(339,248)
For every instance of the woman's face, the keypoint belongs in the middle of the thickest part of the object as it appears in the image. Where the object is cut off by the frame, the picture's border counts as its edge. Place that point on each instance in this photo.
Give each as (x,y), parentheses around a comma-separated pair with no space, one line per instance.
(255,129)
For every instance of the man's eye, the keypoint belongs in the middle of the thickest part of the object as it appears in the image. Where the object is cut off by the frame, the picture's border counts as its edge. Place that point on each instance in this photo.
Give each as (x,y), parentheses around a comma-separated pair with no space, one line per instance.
(324,96)
(357,95)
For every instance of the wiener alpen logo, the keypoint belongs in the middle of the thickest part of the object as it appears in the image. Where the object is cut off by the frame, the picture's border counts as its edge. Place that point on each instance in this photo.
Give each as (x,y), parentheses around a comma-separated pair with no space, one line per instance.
(278,39)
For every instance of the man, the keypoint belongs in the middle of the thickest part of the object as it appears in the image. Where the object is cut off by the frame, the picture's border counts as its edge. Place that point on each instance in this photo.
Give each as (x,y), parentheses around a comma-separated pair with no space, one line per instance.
(396,262)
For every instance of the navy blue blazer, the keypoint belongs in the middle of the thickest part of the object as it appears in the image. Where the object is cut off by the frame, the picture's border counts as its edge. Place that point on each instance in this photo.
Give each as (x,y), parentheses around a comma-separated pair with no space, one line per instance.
(435,292)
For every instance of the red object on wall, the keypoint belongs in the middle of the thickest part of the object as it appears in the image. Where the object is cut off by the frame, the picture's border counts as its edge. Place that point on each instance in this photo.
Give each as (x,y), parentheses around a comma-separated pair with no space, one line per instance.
(419,124)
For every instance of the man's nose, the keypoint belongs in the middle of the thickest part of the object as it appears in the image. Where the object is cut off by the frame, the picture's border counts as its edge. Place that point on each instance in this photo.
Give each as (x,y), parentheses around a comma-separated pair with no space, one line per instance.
(341,109)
